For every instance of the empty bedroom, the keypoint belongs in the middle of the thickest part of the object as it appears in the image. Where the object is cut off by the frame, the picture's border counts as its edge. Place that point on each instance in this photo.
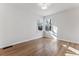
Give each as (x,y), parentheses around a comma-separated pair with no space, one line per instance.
(39,29)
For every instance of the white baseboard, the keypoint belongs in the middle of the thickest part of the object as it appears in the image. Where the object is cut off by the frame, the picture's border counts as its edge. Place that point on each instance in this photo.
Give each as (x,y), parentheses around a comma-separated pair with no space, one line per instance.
(77,42)
(21,41)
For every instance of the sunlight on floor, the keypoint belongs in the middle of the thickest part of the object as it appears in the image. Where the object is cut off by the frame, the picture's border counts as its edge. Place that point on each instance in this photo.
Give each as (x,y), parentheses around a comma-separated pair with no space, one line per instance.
(74,51)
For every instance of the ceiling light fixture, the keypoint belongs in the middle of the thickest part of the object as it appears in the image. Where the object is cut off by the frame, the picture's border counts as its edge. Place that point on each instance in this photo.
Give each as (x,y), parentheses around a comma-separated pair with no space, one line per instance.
(44,6)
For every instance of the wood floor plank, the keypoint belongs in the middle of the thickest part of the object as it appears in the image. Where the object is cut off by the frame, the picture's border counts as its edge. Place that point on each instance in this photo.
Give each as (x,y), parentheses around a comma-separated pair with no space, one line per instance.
(39,47)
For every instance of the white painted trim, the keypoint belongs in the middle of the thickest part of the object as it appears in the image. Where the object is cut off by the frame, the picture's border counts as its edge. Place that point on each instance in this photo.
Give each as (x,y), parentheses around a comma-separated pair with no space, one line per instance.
(21,41)
(70,41)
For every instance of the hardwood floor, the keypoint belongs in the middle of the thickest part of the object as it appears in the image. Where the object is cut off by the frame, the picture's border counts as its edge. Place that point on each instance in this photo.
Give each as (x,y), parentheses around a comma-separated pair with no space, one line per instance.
(39,47)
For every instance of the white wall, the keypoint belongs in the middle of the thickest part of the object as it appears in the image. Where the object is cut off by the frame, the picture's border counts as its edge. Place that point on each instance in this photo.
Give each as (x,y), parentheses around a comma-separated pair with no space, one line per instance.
(17,24)
(68,24)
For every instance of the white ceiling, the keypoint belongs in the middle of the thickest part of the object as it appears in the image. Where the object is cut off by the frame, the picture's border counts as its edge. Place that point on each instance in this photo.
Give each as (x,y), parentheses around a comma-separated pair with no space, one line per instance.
(52,9)
(57,7)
